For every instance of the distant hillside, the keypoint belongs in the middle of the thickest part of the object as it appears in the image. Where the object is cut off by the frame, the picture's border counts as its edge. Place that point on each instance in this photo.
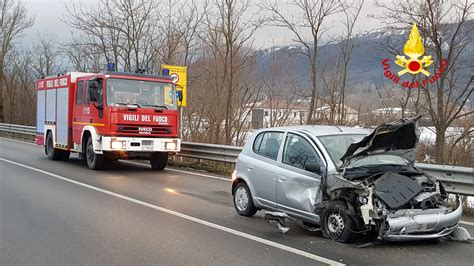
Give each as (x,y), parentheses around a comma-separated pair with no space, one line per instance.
(365,69)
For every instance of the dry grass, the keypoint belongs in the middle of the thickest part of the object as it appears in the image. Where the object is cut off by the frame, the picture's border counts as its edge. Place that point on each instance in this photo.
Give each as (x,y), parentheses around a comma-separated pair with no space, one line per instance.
(197,164)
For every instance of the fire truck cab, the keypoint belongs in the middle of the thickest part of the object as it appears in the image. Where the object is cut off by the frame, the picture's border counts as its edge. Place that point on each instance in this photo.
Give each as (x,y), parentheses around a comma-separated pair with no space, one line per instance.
(108,116)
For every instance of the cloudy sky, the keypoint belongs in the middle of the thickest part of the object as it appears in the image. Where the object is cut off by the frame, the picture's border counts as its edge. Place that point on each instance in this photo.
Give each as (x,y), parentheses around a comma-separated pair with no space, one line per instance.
(48,14)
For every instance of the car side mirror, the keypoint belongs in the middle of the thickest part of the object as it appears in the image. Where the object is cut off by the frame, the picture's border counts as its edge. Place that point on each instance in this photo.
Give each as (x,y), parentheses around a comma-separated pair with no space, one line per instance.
(313,168)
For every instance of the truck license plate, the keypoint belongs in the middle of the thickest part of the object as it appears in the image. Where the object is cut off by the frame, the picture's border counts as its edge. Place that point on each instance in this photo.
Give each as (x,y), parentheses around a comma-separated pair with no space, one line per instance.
(147,145)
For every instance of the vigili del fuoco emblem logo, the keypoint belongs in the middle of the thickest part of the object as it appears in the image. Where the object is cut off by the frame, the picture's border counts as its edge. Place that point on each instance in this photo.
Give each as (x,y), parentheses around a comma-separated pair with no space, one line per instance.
(413,62)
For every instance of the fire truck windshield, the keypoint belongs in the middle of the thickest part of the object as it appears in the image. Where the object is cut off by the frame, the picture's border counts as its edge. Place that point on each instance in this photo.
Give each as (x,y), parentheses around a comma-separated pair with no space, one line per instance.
(141,93)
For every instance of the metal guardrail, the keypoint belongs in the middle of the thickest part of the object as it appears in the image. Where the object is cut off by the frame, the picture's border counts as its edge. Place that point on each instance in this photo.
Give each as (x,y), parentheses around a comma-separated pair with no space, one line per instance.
(212,152)
(456,179)
(19,129)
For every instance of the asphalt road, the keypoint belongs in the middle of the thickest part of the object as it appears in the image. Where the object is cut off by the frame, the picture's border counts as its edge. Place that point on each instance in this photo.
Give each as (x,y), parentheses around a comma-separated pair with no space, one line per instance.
(63,213)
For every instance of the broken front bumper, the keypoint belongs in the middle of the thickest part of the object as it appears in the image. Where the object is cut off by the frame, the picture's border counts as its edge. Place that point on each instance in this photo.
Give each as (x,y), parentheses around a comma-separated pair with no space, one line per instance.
(417,224)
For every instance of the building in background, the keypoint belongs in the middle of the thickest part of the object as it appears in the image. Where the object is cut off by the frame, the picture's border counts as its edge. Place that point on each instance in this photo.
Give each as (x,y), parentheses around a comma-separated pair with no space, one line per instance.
(273,113)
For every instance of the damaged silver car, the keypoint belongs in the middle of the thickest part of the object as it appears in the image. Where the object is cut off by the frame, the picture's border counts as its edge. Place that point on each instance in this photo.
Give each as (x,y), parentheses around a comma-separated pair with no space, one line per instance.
(346,181)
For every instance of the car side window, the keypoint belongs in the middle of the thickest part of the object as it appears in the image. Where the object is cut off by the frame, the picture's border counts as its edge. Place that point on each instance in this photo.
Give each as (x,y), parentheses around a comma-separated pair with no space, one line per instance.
(79,92)
(298,152)
(268,144)
(257,142)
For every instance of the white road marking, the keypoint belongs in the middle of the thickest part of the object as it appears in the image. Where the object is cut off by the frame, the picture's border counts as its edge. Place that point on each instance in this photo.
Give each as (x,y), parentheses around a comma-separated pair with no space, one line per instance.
(467,223)
(185,172)
(184,216)
(20,141)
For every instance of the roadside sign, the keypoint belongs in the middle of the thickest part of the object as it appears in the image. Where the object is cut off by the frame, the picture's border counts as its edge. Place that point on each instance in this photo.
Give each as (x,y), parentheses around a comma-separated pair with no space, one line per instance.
(178,75)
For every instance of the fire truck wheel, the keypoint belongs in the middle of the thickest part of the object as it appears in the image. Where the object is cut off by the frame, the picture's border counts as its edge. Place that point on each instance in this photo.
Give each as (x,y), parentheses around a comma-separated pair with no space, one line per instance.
(94,161)
(159,160)
(51,152)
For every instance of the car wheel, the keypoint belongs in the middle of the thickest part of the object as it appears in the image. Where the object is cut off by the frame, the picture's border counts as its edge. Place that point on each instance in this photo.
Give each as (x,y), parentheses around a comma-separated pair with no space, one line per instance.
(94,161)
(243,202)
(159,160)
(337,224)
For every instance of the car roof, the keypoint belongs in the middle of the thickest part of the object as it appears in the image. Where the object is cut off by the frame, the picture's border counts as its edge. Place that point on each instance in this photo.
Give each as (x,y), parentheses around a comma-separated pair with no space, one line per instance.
(319,130)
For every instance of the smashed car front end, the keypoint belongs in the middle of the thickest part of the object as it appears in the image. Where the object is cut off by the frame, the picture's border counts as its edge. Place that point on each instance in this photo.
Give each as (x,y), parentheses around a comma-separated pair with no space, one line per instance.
(394,206)
(409,207)
(384,191)
(419,224)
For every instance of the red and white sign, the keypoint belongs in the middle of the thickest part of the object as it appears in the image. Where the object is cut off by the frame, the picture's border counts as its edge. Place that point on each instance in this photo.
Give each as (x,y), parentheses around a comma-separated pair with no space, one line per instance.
(175,78)
(159,119)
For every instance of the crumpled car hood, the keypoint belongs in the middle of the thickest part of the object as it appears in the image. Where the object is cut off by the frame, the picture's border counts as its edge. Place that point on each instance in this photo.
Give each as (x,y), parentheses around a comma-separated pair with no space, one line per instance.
(399,137)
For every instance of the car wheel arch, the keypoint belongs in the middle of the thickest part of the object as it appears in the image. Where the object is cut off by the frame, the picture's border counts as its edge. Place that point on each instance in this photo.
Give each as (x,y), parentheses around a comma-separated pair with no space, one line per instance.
(347,196)
(238,180)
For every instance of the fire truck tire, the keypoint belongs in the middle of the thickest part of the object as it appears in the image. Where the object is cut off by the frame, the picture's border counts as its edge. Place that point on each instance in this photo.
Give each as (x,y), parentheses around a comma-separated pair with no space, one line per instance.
(159,160)
(93,160)
(51,152)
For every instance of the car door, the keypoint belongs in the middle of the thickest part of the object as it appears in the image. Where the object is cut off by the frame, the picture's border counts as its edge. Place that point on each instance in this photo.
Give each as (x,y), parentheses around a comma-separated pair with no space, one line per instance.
(261,170)
(295,186)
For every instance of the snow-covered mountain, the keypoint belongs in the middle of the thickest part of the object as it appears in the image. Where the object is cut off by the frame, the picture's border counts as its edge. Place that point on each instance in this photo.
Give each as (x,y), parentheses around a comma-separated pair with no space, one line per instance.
(365,68)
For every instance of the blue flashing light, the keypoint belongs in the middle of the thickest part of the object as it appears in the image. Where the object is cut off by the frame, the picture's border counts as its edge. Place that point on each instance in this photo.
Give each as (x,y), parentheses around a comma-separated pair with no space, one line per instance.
(179,95)
(165,72)
(111,67)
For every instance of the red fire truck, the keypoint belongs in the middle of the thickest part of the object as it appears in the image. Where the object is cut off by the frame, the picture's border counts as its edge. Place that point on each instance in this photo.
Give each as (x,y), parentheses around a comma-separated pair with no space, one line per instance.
(108,116)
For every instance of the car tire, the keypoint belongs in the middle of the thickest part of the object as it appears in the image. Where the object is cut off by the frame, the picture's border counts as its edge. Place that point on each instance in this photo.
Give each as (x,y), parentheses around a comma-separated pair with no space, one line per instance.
(159,160)
(337,224)
(93,160)
(243,202)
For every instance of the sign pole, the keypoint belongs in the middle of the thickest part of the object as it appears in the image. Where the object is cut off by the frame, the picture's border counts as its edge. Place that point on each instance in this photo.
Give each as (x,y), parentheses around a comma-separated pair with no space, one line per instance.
(178,75)
(181,123)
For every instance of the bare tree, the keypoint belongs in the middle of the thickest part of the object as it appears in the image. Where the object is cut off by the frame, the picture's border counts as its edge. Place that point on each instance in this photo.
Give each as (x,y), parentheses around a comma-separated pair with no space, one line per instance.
(14,21)
(446,25)
(20,88)
(312,14)
(46,59)
(351,15)
(192,16)
(230,28)
(177,39)
(280,89)
(83,58)
(122,30)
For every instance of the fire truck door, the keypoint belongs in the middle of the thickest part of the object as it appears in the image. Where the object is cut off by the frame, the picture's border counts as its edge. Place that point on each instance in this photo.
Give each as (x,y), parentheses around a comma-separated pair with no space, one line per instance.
(78,112)
(94,104)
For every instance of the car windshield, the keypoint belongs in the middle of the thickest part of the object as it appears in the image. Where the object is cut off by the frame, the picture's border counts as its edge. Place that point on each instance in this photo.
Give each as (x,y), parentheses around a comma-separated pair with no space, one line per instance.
(378,160)
(336,145)
(141,93)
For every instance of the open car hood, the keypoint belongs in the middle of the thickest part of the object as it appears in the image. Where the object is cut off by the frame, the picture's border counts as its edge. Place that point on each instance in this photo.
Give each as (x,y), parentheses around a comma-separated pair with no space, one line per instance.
(399,138)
